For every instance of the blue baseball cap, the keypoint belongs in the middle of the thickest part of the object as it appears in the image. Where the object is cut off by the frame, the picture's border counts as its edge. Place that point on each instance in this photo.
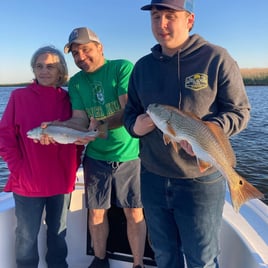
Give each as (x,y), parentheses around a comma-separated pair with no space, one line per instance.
(187,5)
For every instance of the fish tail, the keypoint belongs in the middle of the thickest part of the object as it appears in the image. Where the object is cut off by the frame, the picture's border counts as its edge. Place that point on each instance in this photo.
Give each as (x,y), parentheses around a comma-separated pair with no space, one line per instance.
(242,192)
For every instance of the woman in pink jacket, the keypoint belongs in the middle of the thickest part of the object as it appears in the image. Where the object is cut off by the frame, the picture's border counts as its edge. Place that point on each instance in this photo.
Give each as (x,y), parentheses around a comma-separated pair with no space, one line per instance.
(41,177)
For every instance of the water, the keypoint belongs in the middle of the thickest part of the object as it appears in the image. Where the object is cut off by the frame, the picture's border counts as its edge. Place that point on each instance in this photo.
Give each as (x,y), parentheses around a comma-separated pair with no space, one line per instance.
(250,146)
(4,95)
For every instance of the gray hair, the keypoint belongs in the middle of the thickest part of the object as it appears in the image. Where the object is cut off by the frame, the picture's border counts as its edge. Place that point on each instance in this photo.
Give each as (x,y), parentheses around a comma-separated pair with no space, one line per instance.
(62,63)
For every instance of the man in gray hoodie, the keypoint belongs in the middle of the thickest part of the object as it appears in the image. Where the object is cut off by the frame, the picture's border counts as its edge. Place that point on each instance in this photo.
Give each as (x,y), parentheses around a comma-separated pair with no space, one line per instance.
(183,207)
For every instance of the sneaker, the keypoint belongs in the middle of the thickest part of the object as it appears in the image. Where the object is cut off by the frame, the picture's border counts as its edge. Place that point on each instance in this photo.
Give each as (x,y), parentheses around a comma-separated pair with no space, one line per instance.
(138,266)
(99,263)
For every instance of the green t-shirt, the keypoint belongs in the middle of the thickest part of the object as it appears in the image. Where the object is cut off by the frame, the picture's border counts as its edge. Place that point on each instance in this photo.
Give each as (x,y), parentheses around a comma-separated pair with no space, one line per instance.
(98,94)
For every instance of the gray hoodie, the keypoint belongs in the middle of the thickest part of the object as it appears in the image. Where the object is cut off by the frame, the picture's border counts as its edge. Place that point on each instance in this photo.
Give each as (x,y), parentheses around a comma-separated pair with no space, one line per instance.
(202,79)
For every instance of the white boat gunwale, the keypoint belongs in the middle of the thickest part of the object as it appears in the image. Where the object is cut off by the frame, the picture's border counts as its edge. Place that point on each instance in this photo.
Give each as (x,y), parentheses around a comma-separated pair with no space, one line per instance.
(244,236)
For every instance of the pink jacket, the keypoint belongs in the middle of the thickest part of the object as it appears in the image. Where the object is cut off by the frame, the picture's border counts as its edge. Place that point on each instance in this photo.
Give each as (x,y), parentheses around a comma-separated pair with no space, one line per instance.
(37,170)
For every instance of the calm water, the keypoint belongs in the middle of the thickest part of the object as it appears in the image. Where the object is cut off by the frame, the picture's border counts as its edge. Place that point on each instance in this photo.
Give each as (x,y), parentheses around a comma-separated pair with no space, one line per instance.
(250,146)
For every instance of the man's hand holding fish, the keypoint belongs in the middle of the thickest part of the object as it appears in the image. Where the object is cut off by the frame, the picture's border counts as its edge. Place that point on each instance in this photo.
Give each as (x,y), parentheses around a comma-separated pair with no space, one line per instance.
(45,139)
(187,147)
(143,125)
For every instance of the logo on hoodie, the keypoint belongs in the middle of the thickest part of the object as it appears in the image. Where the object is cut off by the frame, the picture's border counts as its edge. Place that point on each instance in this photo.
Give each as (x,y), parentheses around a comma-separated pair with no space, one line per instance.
(196,81)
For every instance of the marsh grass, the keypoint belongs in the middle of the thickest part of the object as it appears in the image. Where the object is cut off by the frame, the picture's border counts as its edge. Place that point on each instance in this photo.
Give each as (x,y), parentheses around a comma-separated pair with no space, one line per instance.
(255,76)
(251,76)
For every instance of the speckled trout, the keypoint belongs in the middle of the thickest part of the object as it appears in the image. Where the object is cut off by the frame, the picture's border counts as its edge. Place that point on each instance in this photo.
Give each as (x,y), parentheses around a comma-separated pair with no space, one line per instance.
(61,134)
(210,146)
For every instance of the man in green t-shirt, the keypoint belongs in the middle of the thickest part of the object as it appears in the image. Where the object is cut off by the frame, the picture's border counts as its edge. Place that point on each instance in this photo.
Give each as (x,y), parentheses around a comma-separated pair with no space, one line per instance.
(111,166)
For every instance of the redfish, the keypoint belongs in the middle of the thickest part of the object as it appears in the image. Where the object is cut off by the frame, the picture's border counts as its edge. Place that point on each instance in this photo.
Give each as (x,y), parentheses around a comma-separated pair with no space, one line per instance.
(61,134)
(210,145)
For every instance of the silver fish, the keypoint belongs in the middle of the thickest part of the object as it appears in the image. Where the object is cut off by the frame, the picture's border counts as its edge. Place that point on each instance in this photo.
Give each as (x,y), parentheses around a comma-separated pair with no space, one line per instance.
(210,145)
(61,134)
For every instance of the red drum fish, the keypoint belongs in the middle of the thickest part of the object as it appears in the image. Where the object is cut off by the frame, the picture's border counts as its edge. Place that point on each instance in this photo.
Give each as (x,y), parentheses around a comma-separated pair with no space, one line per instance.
(210,146)
(61,134)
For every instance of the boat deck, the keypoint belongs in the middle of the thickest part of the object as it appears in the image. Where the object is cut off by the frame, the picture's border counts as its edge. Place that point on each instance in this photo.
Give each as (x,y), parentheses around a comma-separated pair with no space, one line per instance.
(244,236)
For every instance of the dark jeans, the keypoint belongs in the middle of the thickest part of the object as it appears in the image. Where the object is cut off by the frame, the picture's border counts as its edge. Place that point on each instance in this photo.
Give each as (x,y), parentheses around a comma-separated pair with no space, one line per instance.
(184,219)
(29,211)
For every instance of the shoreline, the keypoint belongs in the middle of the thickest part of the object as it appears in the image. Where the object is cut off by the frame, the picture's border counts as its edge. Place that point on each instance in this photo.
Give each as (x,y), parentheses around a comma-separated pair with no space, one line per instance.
(255,82)
(251,77)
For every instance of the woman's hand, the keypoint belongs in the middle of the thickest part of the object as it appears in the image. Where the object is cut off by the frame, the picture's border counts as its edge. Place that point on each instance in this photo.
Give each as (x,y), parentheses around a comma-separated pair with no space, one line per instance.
(45,139)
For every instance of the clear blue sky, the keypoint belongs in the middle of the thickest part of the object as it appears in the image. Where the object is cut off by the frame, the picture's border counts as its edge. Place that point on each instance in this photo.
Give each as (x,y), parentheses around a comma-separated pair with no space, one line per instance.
(125,31)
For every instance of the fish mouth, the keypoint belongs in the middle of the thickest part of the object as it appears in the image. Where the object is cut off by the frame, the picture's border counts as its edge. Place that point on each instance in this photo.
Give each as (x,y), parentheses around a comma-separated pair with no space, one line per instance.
(151,106)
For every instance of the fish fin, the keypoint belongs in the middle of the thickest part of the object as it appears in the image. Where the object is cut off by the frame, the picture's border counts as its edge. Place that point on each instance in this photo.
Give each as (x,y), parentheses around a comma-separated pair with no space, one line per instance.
(224,142)
(167,139)
(203,165)
(67,125)
(178,111)
(242,192)
(194,116)
(175,146)
(103,130)
(172,132)
(170,129)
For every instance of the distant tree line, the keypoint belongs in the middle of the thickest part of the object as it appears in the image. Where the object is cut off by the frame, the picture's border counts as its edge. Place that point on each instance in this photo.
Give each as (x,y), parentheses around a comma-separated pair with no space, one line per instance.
(255,76)
(251,77)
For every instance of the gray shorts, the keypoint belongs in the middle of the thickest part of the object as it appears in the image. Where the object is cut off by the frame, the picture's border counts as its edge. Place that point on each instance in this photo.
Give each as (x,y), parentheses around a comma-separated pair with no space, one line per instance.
(116,183)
